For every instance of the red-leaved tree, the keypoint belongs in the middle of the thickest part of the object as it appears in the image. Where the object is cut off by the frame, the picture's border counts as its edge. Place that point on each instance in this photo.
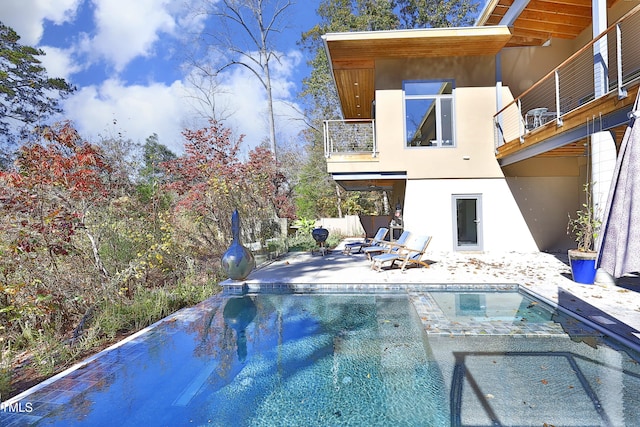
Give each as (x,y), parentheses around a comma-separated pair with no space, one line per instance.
(44,201)
(211,181)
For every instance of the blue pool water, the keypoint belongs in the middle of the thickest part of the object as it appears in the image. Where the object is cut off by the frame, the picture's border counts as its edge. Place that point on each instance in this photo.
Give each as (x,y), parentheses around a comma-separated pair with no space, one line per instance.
(416,358)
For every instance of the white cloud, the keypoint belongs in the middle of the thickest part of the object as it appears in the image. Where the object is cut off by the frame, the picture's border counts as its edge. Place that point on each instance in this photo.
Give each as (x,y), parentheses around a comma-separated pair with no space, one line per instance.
(127,29)
(59,62)
(137,111)
(284,71)
(124,30)
(244,101)
(26,16)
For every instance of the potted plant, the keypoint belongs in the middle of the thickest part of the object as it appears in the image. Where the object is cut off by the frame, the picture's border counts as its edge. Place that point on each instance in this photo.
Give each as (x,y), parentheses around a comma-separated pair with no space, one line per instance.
(584,228)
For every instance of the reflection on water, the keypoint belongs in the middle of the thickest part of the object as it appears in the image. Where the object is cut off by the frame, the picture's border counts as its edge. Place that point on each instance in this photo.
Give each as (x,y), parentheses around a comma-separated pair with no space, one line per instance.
(238,313)
(347,359)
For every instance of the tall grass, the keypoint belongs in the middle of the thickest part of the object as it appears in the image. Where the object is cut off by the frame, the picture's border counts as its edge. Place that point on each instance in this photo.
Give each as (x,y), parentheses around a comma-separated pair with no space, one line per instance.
(147,307)
(5,369)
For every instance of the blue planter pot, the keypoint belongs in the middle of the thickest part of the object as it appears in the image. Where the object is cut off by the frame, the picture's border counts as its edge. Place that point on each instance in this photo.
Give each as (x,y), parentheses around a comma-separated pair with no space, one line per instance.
(583,266)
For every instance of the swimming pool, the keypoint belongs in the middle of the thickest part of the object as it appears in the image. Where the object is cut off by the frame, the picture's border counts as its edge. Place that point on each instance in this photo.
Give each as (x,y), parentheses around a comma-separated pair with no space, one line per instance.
(461,358)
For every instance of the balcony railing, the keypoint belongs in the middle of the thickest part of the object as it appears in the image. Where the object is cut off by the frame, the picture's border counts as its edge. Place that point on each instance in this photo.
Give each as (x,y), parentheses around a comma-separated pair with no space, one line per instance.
(349,137)
(572,84)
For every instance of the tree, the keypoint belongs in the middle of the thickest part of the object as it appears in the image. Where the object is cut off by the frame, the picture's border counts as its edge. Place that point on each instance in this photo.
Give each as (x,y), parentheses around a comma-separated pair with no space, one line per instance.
(27,95)
(153,154)
(211,181)
(203,92)
(53,186)
(436,14)
(46,199)
(314,191)
(242,33)
(151,180)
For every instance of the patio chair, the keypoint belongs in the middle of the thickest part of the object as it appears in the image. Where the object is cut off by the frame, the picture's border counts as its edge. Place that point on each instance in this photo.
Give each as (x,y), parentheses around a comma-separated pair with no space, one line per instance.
(352,247)
(387,247)
(410,254)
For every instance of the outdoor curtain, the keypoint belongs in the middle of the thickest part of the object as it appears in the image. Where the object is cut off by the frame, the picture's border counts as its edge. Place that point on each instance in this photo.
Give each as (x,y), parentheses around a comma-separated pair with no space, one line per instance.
(620,239)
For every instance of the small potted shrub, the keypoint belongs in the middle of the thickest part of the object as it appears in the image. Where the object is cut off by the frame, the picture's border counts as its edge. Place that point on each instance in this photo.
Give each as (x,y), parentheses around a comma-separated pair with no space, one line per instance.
(584,228)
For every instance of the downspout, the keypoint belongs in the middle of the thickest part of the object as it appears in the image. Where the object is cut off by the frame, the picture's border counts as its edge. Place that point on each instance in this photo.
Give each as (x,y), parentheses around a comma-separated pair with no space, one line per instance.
(498,98)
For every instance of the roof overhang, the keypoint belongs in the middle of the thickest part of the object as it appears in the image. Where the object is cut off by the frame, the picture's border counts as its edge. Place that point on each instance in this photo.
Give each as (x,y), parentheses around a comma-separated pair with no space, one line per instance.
(352,56)
(535,22)
(373,181)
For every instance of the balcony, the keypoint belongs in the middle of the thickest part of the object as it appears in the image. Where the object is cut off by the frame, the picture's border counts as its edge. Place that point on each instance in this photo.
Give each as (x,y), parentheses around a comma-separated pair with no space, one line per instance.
(350,140)
(556,114)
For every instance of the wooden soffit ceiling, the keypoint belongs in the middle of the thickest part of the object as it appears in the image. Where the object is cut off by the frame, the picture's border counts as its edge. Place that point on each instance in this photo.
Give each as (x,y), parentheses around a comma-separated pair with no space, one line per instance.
(353,55)
(540,20)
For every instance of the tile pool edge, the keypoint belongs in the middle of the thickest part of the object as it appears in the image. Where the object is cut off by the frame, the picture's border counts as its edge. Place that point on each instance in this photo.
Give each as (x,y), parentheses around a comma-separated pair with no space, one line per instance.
(606,330)
(286,287)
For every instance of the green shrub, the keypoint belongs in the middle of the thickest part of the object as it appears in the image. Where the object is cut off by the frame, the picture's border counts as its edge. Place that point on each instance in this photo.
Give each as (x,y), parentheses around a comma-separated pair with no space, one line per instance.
(586,225)
(301,242)
(303,225)
(305,242)
(5,369)
(147,307)
(334,239)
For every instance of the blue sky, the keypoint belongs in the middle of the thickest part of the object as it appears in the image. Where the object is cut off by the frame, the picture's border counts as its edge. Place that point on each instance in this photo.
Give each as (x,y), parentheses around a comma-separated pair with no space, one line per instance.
(126,57)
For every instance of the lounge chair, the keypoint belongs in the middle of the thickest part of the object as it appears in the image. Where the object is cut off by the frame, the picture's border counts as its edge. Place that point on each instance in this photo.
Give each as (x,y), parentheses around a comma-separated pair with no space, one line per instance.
(352,247)
(387,247)
(410,254)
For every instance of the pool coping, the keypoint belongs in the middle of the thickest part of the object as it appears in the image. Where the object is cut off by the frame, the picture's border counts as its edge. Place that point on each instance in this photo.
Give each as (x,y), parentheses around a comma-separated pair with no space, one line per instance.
(545,274)
(633,344)
(248,288)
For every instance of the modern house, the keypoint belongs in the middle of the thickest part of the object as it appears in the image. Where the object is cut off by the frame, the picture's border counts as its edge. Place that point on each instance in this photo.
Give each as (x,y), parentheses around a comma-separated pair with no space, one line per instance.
(486,135)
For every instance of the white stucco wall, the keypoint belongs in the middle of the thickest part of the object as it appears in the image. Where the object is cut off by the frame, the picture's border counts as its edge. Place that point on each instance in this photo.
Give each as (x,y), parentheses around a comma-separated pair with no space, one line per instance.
(428,210)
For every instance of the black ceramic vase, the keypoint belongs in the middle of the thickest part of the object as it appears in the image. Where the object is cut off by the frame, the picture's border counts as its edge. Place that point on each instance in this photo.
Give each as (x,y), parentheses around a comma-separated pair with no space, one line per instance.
(237,261)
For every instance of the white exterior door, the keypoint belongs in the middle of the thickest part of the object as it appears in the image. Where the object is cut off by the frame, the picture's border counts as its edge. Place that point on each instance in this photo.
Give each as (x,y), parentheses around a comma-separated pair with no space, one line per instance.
(467,224)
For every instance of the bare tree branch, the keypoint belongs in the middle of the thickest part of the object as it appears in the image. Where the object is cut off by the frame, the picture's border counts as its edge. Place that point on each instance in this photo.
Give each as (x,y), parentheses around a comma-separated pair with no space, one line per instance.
(257,21)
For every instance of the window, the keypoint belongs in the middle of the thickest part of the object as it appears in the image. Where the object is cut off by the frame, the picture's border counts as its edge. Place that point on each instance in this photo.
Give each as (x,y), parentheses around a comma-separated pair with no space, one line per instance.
(429,113)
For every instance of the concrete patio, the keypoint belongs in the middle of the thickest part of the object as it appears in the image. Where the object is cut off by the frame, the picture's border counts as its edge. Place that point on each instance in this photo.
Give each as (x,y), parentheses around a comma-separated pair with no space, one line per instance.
(614,306)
